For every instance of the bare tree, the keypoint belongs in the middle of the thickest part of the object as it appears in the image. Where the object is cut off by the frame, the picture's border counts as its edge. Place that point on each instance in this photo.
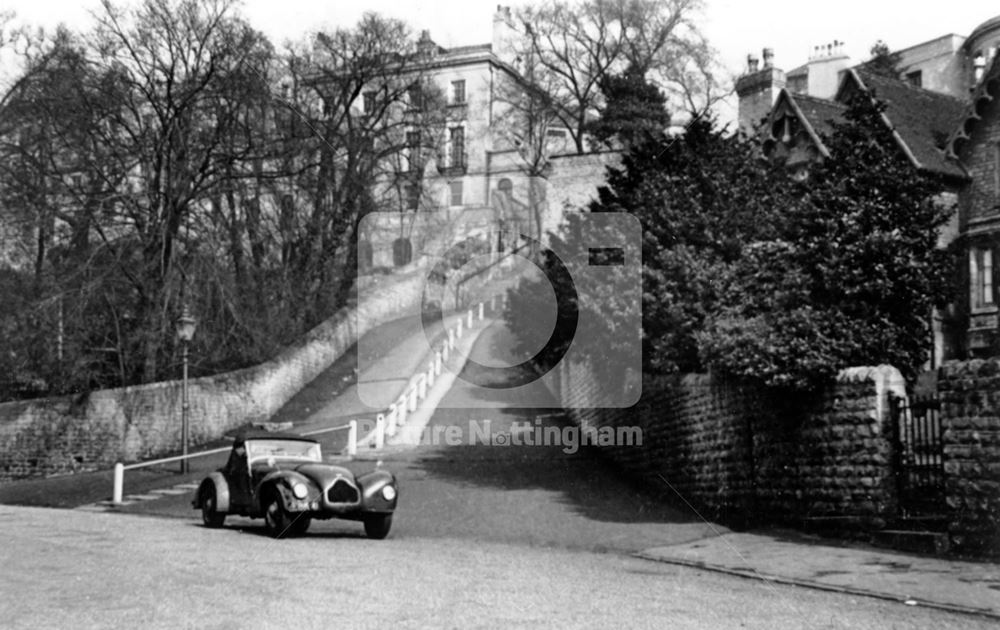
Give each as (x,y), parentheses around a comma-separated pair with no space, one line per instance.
(572,45)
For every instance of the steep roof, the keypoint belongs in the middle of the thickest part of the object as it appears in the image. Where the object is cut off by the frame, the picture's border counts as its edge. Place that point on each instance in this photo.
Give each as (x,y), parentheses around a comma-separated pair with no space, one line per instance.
(821,112)
(921,120)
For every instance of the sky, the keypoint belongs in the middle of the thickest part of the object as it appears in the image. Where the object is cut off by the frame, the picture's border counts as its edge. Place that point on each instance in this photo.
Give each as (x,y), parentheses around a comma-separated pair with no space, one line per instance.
(734,27)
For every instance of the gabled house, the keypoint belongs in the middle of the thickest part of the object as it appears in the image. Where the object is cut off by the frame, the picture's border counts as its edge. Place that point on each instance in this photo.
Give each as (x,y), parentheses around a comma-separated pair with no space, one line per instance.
(921,122)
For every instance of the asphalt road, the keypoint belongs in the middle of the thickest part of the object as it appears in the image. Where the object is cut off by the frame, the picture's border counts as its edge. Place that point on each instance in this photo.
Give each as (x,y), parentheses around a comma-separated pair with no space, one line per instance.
(484,536)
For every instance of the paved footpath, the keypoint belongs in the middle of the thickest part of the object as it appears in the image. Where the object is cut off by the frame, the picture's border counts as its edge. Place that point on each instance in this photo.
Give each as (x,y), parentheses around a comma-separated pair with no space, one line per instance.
(793,558)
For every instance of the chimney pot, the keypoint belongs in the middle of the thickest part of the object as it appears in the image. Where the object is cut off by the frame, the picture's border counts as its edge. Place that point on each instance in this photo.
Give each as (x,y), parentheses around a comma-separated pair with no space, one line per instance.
(752,63)
(768,57)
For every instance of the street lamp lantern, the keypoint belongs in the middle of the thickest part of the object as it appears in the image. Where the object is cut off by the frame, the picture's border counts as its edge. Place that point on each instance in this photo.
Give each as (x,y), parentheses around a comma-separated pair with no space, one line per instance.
(186,325)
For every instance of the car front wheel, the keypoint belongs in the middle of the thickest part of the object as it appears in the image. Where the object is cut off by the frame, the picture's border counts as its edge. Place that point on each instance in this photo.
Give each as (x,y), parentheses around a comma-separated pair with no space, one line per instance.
(277,519)
(210,514)
(378,526)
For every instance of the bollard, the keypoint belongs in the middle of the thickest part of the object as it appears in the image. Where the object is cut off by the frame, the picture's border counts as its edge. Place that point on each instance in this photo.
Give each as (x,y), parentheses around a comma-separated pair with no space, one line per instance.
(470,318)
(481,313)
(391,428)
(116,495)
(451,339)
(401,410)
(437,362)
(445,352)
(413,398)
(379,431)
(458,329)
(422,386)
(430,373)
(352,438)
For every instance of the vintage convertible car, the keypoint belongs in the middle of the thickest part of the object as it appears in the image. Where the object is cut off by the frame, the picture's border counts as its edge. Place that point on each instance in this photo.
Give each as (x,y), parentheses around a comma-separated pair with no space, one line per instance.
(282,478)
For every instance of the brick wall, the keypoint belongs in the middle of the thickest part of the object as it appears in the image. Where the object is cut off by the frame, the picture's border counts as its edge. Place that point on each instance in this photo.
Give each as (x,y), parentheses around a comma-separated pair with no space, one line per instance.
(55,435)
(740,455)
(970,417)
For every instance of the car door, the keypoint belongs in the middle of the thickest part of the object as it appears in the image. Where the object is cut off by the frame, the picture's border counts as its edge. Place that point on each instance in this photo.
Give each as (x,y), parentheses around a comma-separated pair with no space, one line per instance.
(240,488)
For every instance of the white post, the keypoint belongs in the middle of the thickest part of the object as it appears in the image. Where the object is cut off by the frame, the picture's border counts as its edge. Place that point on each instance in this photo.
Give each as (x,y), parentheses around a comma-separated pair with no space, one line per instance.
(430,373)
(116,495)
(451,339)
(481,307)
(422,386)
(458,329)
(470,318)
(413,398)
(391,429)
(437,362)
(352,438)
(379,431)
(401,406)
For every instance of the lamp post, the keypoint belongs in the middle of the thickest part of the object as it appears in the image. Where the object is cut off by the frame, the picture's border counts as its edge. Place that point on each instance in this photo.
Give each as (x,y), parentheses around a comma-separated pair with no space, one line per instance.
(185,332)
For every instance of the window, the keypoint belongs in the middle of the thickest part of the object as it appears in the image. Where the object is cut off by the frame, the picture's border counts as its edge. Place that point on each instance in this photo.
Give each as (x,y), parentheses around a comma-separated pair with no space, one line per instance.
(456,145)
(996,169)
(506,187)
(411,196)
(412,154)
(368,104)
(415,96)
(455,193)
(366,255)
(915,78)
(981,278)
(458,92)
(402,252)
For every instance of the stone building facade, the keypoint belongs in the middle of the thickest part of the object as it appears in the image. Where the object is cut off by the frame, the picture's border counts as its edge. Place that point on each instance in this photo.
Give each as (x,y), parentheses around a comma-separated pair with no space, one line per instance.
(482,179)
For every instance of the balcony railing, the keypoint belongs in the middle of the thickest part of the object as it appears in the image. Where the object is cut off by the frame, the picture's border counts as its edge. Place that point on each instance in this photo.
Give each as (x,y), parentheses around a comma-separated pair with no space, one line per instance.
(452,164)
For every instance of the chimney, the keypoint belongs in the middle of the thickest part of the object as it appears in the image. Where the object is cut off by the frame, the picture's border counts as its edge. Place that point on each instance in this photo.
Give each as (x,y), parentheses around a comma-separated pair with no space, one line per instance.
(504,35)
(757,90)
(824,68)
(425,45)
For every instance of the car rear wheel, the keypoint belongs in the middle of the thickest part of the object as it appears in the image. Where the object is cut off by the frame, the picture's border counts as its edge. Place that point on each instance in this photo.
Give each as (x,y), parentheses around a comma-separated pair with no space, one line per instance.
(378,526)
(210,514)
(277,519)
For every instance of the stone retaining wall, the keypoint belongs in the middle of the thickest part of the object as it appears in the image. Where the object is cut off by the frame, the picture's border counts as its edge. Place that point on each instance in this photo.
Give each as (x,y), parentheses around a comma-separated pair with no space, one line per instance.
(970,419)
(740,455)
(58,435)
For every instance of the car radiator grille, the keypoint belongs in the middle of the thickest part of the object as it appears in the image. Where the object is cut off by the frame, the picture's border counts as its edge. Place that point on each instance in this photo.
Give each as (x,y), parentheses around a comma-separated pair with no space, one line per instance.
(342,492)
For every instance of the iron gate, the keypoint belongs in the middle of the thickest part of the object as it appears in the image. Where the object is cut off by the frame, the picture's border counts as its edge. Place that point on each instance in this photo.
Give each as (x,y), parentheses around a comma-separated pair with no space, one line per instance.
(918,454)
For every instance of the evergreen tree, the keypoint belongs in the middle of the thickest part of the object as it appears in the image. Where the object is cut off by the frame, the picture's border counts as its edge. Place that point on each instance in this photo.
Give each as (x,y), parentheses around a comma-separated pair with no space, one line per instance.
(634,111)
(851,276)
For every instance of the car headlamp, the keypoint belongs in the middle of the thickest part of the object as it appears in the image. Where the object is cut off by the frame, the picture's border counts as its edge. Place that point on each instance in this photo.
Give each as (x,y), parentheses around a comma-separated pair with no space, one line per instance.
(299,490)
(388,493)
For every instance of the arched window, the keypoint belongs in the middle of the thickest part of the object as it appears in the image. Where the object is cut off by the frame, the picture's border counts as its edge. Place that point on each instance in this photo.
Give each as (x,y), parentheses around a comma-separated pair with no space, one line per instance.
(402,252)
(366,255)
(505,187)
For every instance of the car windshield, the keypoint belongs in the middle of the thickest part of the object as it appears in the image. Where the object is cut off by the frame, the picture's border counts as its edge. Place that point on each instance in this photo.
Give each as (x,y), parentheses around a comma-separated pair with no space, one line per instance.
(283,449)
